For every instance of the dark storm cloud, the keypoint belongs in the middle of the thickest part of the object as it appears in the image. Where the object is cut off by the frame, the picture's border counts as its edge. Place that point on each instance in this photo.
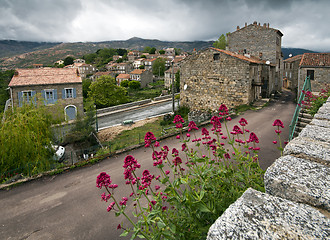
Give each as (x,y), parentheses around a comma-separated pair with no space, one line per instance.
(304,23)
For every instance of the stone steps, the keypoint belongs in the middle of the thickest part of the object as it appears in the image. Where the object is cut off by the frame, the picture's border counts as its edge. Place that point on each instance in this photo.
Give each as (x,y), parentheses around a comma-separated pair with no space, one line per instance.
(296,204)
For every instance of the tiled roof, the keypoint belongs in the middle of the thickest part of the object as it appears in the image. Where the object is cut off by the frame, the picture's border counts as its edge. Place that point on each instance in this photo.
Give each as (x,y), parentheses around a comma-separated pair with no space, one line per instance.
(293,59)
(315,60)
(123,76)
(258,26)
(41,76)
(248,59)
(137,71)
(102,73)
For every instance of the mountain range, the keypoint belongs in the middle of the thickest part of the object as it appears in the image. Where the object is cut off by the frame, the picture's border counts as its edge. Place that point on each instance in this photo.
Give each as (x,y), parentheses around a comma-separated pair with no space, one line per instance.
(20,54)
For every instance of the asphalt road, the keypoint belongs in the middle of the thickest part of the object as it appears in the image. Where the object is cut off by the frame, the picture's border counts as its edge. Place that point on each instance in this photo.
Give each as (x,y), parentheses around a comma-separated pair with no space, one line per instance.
(137,114)
(68,206)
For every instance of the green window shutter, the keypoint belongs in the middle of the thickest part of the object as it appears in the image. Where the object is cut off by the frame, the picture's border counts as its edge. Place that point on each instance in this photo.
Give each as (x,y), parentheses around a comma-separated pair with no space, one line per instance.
(63,93)
(43,95)
(20,99)
(55,95)
(34,97)
(74,93)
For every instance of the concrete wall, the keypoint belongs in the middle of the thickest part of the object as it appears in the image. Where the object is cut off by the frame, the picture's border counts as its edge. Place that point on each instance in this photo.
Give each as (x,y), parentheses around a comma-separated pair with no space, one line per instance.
(296,204)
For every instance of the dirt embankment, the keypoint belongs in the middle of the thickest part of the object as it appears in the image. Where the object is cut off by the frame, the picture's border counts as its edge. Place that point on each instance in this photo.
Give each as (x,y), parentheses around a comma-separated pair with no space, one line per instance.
(110,133)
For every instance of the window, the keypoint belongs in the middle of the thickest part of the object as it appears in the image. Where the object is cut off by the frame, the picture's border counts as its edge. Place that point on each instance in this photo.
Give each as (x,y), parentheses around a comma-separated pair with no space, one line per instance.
(216,56)
(310,74)
(27,96)
(49,95)
(68,93)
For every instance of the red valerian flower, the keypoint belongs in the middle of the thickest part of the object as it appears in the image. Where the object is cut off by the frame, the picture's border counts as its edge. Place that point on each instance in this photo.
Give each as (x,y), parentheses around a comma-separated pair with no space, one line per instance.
(192,125)
(110,207)
(215,121)
(177,119)
(278,123)
(253,138)
(119,226)
(105,197)
(236,130)
(243,122)
(205,132)
(148,138)
(103,179)
(177,161)
(223,110)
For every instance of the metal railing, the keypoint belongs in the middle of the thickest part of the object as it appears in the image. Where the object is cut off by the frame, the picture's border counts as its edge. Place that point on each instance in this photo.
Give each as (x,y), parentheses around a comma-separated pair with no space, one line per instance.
(293,124)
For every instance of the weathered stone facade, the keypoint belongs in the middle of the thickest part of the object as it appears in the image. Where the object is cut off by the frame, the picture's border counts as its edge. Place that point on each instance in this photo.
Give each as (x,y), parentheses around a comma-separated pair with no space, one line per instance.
(60,89)
(261,41)
(290,75)
(317,66)
(213,77)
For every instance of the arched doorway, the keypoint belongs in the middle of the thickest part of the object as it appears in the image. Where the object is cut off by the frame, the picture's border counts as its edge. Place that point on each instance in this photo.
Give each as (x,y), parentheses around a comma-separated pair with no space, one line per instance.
(70,112)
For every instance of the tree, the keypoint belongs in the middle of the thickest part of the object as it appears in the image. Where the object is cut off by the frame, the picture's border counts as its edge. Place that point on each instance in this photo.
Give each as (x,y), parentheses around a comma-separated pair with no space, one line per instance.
(152,50)
(161,51)
(134,85)
(25,139)
(90,58)
(124,83)
(177,51)
(105,93)
(68,60)
(141,67)
(177,81)
(158,68)
(221,43)
(85,87)
(146,49)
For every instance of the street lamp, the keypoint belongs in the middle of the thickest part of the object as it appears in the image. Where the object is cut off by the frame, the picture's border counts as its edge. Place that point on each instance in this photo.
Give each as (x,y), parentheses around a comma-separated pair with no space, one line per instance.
(96,123)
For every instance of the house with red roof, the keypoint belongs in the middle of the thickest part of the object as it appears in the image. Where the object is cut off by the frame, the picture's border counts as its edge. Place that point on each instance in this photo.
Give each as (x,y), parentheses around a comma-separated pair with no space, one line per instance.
(121,77)
(48,86)
(317,67)
(141,75)
(213,77)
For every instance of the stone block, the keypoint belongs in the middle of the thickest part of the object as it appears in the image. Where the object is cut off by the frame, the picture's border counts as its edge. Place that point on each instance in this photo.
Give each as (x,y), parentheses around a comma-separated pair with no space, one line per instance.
(316,132)
(257,215)
(309,149)
(299,180)
(321,123)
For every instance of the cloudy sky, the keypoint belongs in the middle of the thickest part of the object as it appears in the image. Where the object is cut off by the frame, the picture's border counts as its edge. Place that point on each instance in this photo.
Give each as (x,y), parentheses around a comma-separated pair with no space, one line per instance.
(304,23)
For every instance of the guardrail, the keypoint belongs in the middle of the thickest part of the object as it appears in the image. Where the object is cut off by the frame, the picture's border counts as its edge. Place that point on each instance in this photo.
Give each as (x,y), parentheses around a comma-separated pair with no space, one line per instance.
(306,87)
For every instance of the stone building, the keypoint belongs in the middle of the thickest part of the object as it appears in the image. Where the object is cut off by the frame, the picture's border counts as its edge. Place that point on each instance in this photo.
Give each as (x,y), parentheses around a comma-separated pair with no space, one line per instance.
(262,41)
(317,67)
(290,72)
(62,86)
(213,77)
(168,76)
(141,75)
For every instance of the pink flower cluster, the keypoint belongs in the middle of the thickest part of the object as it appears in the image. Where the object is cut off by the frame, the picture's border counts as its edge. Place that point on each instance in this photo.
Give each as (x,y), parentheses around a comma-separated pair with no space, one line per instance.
(223,110)
(103,179)
(130,165)
(192,125)
(148,138)
(178,120)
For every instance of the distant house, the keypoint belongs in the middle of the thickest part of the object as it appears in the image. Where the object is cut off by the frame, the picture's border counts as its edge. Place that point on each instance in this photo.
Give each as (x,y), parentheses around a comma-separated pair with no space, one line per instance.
(78,60)
(59,62)
(170,51)
(84,69)
(118,68)
(317,67)
(290,72)
(141,75)
(213,77)
(61,86)
(132,55)
(168,76)
(116,57)
(148,63)
(121,77)
(138,62)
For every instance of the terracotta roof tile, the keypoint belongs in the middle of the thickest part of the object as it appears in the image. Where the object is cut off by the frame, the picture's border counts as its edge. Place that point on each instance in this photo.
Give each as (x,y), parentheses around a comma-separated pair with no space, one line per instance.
(137,71)
(248,59)
(315,60)
(123,76)
(294,58)
(41,76)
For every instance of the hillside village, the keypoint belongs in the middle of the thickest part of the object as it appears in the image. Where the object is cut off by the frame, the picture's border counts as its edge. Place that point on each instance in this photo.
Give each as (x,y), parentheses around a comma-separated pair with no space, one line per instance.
(250,68)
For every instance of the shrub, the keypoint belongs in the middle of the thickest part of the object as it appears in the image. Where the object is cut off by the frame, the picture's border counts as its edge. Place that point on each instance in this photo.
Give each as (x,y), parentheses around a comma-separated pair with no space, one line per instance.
(314,102)
(194,188)
(134,85)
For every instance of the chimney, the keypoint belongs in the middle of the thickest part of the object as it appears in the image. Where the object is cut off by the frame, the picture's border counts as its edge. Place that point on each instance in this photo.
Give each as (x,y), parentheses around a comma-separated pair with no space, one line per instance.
(260,55)
(16,73)
(259,24)
(245,24)
(77,72)
(255,23)
(237,28)
(265,25)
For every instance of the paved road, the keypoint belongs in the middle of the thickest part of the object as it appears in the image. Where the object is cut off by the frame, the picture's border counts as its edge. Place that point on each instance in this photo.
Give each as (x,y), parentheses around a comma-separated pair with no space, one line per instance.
(136,114)
(68,206)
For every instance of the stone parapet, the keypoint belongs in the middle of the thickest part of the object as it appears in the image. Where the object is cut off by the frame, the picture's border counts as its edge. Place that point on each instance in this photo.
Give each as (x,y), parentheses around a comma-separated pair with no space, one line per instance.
(296,204)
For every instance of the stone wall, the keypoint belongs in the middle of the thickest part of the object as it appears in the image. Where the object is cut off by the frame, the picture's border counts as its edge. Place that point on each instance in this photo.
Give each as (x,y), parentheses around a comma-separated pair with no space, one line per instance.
(296,204)
(321,78)
(207,83)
